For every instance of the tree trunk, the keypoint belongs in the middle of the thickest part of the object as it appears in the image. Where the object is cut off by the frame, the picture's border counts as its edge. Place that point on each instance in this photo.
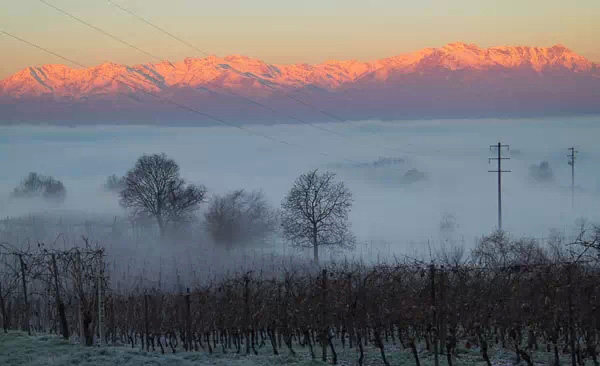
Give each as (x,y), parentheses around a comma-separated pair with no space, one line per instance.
(309,343)
(273,339)
(333,352)
(484,349)
(161,226)
(360,348)
(379,344)
(449,353)
(526,357)
(88,328)
(315,245)
(288,342)
(415,353)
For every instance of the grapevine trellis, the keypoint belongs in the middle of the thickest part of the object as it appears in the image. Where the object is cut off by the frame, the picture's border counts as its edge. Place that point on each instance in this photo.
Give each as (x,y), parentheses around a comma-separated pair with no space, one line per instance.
(547,305)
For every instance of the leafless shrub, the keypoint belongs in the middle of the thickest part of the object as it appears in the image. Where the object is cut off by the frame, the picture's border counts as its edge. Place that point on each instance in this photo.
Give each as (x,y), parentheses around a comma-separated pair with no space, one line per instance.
(240,217)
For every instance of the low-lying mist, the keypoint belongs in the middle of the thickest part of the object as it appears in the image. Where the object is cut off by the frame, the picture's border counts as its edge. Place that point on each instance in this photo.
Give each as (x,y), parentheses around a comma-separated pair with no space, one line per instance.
(406,178)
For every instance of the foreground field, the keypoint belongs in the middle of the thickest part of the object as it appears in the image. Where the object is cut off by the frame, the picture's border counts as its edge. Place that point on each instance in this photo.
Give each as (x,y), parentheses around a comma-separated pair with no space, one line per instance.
(19,349)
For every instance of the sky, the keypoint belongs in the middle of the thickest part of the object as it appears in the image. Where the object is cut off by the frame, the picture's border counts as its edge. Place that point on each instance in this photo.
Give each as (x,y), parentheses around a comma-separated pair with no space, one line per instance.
(310,31)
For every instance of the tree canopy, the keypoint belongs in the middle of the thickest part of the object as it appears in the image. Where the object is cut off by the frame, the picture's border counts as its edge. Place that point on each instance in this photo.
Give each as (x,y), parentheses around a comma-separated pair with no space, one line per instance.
(315,212)
(154,188)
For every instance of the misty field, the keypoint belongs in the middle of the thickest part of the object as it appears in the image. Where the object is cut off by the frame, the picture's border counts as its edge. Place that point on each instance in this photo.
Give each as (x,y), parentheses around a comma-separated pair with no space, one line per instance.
(452,155)
(415,270)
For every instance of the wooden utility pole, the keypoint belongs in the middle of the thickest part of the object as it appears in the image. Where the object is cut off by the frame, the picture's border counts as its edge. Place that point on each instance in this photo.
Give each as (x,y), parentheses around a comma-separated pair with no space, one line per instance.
(64,326)
(24,281)
(499,147)
(247,312)
(571,157)
(324,331)
(100,302)
(571,311)
(434,320)
(146,322)
(188,322)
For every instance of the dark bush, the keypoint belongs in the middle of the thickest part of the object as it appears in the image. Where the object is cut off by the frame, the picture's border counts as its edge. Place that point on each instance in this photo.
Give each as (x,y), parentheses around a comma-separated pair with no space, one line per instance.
(37,185)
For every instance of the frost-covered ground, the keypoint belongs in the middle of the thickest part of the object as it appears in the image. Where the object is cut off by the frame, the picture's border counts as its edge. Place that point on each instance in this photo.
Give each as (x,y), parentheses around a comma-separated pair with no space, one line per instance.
(18,349)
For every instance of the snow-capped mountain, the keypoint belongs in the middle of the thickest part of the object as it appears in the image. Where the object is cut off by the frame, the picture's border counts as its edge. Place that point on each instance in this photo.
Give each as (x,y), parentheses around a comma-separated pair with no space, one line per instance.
(456,80)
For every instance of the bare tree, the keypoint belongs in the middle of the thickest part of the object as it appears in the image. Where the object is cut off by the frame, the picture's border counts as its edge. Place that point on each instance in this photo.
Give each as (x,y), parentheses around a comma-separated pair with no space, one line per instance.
(154,188)
(240,216)
(589,241)
(499,250)
(315,212)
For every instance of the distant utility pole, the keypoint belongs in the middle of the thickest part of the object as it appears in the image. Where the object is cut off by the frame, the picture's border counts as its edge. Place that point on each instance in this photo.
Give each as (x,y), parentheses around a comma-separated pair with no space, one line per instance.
(499,146)
(571,157)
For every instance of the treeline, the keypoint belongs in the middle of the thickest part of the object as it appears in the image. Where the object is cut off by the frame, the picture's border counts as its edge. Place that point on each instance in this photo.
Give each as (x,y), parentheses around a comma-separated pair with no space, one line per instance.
(314,213)
(515,294)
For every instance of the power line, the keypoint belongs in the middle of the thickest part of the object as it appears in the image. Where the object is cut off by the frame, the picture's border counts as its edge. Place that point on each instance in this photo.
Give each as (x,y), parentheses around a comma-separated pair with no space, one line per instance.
(157,27)
(62,11)
(42,49)
(286,94)
(100,30)
(182,106)
(179,39)
(499,147)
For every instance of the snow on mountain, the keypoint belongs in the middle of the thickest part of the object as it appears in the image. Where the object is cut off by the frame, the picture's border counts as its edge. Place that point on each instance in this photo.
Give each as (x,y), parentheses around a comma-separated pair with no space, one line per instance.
(236,70)
(451,66)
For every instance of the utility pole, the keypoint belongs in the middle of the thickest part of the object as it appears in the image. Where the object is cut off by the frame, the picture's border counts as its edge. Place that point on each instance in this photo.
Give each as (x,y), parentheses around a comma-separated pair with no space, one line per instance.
(100,301)
(571,157)
(188,323)
(24,282)
(434,320)
(64,326)
(499,146)
(146,322)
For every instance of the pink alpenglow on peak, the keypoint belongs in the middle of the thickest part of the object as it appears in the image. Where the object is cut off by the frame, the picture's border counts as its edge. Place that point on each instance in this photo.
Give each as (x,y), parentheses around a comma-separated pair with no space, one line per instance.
(458,79)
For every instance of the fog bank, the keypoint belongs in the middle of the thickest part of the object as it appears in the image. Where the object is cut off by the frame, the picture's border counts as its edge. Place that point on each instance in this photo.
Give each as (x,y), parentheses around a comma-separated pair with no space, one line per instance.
(377,160)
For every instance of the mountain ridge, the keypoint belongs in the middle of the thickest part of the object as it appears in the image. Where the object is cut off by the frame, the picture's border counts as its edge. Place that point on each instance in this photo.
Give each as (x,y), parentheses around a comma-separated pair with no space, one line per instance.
(506,70)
